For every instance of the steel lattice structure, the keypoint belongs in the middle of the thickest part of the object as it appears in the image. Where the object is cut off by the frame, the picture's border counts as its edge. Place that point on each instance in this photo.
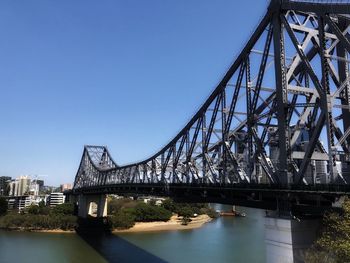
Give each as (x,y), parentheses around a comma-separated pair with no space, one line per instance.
(279,116)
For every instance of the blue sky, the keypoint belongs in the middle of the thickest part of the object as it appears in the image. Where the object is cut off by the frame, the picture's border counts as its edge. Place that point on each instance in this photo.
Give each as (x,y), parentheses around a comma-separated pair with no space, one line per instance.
(126,74)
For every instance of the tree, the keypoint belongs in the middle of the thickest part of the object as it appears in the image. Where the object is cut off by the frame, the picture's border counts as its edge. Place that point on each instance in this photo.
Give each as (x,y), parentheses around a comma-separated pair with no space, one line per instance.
(3,206)
(185,211)
(42,204)
(34,209)
(148,213)
(185,221)
(43,209)
(115,205)
(169,205)
(64,209)
(122,219)
(333,245)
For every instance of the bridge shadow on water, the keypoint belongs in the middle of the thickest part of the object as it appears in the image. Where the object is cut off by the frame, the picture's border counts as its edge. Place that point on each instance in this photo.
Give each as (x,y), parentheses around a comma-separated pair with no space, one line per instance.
(114,248)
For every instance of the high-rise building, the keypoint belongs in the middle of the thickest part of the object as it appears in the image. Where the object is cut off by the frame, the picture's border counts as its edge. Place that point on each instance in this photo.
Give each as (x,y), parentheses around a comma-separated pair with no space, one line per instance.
(12,187)
(23,186)
(19,186)
(4,180)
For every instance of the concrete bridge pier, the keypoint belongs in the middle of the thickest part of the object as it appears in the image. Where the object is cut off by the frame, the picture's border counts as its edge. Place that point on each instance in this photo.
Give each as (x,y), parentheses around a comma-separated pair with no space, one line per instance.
(93,205)
(287,238)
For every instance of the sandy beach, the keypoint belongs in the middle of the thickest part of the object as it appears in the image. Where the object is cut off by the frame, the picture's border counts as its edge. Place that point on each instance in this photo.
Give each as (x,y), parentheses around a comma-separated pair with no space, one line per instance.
(173,224)
(58,231)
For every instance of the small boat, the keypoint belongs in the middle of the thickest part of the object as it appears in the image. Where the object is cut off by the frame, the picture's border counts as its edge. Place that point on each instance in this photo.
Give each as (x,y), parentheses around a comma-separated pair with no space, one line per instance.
(233,212)
(227,213)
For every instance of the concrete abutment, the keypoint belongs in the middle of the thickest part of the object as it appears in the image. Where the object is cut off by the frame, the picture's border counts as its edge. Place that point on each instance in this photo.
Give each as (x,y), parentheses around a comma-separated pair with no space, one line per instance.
(92,205)
(287,239)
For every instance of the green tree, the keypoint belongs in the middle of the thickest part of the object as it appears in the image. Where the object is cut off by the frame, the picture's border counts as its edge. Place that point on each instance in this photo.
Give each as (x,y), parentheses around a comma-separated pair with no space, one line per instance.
(64,209)
(169,205)
(115,205)
(185,211)
(148,213)
(333,245)
(123,219)
(152,202)
(3,206)
(185,220)
(34,209)
(42,204)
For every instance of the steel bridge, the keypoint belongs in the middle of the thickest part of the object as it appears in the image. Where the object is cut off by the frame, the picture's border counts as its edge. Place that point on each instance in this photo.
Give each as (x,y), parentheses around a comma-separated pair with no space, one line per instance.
(274,131)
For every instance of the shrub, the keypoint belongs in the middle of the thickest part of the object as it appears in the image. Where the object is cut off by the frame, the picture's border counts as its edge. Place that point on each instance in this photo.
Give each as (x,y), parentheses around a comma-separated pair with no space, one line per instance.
(35,221)
(63,209)
(210,212)
(122,220)
(33,209)
(333,244)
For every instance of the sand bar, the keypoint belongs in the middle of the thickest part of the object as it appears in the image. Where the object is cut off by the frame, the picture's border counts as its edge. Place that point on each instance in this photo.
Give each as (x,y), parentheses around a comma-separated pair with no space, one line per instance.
(173,224)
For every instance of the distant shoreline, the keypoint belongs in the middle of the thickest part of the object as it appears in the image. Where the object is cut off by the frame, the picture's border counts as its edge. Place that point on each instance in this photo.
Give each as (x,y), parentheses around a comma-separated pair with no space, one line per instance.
(173,224)
(24,229)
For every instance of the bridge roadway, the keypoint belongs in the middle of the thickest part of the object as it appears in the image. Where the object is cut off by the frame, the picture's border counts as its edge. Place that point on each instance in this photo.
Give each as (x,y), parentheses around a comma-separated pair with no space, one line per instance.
(299,200)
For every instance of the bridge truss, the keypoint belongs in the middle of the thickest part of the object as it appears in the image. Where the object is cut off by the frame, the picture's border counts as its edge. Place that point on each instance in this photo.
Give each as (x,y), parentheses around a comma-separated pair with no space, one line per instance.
(280,116)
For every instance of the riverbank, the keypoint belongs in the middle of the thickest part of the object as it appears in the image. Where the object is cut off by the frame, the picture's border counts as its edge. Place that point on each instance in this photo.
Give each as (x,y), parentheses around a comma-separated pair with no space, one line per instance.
(28,229)
(173,224)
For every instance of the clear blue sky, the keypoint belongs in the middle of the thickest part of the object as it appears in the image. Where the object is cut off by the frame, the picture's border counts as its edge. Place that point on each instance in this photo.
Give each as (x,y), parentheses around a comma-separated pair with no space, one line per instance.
(126,74)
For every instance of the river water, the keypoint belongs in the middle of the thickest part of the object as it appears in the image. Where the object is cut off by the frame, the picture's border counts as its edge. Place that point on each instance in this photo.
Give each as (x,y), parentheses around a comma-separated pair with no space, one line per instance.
(225,239)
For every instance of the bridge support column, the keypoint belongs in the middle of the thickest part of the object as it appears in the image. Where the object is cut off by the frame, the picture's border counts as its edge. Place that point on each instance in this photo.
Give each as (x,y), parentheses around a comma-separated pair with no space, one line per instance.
(82,206)
(93,205)
(102,206)
(286,239)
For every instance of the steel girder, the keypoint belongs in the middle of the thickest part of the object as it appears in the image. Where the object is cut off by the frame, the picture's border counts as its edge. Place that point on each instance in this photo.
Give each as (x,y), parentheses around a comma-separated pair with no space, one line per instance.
(284,98)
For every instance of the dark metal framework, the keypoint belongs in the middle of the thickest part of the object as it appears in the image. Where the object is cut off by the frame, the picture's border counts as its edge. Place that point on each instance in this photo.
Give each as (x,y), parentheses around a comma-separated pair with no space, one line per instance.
(282,108)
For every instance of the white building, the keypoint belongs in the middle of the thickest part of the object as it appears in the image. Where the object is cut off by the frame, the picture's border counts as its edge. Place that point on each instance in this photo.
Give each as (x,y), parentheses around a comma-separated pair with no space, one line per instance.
(21,202)
(56,199)
(33,188)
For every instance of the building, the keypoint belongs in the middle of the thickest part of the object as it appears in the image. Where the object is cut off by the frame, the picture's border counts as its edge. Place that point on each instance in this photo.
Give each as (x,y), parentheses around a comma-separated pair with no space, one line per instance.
(19,186)
(21,202)
(12,186)
(33,188)
(65,187)
(56,199)
(23,186)
(50,189)
(4,180)
(41,184)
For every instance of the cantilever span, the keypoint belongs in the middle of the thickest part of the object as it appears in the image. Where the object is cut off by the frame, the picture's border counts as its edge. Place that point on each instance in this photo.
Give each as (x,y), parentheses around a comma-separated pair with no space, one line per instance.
(280,116)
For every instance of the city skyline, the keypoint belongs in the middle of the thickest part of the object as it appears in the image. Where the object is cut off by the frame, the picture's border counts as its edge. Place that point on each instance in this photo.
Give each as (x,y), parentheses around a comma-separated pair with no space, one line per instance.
(74,75)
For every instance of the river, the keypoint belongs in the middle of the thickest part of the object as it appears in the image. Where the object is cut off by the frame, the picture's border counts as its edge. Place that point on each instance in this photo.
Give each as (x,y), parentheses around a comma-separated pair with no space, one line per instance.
(225,239)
